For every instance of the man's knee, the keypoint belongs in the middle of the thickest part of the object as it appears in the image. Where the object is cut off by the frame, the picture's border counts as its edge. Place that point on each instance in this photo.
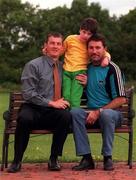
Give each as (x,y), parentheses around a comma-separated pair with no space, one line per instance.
(78,116)
(106,116)
(68,117)
(64,116)
(25,115)
(77,111)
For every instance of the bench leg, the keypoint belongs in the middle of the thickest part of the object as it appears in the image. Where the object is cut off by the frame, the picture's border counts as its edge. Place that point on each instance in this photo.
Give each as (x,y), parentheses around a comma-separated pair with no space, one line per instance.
(130,150)
(4,151)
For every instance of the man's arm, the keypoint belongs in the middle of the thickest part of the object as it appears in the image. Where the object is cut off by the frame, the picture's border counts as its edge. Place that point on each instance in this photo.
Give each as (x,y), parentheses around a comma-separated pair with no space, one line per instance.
(82,78)
(30,81)
(115,103)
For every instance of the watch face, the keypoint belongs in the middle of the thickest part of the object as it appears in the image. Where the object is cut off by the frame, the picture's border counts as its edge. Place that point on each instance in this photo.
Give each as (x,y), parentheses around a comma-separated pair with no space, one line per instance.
(101,109)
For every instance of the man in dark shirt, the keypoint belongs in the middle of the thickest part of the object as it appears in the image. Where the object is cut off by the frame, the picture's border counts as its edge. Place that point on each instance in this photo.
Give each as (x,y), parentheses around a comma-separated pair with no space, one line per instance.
(41,110)
(105,93)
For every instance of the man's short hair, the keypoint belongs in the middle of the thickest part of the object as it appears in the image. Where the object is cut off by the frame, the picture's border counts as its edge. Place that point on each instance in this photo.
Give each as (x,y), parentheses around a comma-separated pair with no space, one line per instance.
(89,24)
(97,37)
(54,34)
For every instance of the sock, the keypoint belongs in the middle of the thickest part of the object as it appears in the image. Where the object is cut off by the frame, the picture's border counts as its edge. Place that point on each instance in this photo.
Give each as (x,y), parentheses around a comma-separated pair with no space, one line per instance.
(107,157)
(87,156)
(53,157)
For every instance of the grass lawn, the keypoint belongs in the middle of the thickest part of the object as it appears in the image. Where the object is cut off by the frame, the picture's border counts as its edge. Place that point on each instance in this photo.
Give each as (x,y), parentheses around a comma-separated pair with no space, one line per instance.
(38,149)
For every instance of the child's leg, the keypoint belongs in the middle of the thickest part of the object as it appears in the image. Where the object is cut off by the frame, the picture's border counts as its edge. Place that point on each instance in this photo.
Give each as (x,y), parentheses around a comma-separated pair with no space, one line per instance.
(76,90)
(66,86)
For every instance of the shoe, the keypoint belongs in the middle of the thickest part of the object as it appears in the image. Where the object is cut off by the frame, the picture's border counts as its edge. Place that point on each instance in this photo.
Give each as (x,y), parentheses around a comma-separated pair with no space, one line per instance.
(53,165)
(108,164)
(14,167)
(84,164)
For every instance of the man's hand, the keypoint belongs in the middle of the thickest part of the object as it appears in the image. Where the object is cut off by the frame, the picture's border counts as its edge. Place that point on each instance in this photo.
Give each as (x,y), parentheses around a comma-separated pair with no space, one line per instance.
(82,78)
(92,116)
(60,104)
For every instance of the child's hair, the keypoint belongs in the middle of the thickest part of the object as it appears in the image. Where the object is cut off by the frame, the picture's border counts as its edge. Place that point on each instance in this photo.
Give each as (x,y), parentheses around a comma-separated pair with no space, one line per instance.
(89,24)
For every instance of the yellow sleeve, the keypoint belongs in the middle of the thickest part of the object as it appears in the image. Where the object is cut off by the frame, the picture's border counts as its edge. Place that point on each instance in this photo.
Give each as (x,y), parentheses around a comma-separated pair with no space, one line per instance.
(107,54)
(65,45)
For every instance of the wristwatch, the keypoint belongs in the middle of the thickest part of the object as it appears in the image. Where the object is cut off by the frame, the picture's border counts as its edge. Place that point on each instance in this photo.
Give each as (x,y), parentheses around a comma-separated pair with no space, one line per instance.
(101,109)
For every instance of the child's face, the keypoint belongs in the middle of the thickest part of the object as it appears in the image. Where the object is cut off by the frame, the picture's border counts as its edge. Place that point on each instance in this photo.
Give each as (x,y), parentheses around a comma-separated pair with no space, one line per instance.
(85,35)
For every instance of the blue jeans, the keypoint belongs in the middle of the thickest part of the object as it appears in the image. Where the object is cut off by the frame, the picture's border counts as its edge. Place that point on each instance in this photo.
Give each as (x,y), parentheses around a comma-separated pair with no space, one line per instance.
(109,119)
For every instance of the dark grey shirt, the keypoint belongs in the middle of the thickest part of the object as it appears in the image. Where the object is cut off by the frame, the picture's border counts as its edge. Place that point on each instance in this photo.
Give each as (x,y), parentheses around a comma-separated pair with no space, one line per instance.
(37,81)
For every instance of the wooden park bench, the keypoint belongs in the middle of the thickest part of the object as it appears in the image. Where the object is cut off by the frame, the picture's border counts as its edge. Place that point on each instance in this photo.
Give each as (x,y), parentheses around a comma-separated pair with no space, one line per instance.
(16,100)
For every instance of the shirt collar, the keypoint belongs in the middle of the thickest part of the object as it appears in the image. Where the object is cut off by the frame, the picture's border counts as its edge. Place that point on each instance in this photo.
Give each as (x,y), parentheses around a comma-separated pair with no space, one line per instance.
(50,60)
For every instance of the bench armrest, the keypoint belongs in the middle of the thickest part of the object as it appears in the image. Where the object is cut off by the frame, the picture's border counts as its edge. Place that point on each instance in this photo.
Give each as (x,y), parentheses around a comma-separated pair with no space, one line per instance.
(6,115)
(132,113)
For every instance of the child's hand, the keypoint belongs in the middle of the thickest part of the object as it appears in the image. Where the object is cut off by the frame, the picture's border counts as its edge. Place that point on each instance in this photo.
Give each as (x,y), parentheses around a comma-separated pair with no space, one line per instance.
(105,61)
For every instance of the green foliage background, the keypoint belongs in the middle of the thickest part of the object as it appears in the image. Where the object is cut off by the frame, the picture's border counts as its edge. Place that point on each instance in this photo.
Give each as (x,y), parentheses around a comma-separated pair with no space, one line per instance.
(24,27)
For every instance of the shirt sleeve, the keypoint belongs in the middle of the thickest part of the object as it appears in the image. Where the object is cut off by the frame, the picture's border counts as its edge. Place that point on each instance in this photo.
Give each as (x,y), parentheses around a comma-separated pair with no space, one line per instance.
(30,81)
(65,45)
(116,82)
(107,54)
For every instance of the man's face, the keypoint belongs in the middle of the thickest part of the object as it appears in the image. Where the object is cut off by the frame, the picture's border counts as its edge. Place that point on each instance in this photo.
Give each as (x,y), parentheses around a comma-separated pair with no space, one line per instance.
(96,51)
(54,47)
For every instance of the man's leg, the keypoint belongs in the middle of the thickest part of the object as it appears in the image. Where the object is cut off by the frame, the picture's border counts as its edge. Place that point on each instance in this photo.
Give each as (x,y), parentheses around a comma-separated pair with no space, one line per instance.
(62,120)
(109,120)
(59,121)
(36,117)
(79,131)
(81,139)
(24,124)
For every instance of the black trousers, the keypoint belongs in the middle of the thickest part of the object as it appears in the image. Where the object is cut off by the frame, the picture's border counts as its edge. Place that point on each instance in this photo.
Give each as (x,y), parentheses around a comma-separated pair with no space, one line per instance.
(38,117)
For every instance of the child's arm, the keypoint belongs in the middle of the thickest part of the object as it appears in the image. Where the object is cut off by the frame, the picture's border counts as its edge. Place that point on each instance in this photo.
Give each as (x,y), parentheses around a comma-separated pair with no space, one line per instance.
(106,60)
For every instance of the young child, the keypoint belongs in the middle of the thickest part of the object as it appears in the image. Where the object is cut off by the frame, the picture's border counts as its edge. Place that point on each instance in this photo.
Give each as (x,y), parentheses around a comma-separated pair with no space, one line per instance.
(76,61)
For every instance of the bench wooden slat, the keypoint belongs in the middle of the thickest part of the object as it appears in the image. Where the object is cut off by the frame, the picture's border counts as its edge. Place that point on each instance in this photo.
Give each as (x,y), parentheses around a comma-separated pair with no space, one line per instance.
(123,129)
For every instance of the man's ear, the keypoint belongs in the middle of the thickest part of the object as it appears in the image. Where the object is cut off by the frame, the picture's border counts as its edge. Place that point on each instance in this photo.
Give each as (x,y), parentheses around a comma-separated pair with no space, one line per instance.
(80,30)
(62,50)
(106,49)
(44,49)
